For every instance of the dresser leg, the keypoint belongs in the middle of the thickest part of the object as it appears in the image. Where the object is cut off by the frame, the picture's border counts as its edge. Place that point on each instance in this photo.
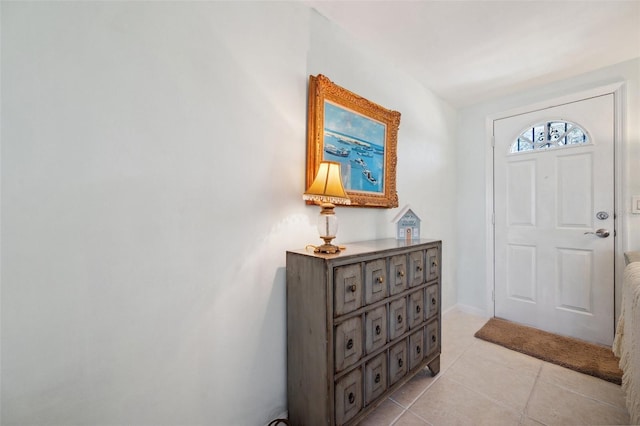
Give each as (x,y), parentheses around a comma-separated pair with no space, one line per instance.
(434,366)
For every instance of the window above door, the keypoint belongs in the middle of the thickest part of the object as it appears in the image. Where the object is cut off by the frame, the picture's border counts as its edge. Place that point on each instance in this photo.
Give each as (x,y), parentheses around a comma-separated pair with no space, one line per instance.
(548,135)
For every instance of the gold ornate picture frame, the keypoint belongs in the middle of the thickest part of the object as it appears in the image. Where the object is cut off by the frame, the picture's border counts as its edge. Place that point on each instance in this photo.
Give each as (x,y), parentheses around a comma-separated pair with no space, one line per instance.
(359,134)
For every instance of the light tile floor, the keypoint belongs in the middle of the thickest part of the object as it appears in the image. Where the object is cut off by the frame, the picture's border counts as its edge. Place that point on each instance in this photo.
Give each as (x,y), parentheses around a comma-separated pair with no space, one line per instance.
(485,384)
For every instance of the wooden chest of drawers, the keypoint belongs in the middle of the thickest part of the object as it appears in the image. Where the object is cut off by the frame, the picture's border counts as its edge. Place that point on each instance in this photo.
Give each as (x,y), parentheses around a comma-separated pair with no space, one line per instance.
(359,325)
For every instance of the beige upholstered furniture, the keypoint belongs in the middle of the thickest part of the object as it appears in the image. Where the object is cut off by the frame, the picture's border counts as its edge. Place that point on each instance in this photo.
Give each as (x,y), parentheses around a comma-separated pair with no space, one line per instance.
(627,341)
(359,324)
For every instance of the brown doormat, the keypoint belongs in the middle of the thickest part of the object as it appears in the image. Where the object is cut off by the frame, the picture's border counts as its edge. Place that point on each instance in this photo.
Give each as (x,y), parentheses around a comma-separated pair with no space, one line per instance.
(575,354)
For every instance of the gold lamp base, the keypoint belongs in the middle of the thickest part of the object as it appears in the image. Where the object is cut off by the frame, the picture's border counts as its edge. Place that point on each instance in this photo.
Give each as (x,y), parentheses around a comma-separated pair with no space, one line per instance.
(327,247)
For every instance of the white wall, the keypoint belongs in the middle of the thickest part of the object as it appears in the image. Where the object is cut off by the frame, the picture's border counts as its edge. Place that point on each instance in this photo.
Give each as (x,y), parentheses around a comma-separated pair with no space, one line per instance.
(473,170)
(153,161)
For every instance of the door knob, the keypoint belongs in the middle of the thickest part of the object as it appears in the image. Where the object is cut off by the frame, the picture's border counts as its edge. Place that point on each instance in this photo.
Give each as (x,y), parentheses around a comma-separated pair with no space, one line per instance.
(602,233)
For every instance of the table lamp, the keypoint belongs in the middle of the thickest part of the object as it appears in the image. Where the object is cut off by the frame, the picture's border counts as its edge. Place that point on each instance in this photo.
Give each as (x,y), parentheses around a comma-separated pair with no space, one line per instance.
(327,190)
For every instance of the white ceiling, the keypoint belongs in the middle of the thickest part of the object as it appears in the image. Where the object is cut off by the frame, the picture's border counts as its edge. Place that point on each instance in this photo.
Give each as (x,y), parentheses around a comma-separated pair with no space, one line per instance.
(474,50)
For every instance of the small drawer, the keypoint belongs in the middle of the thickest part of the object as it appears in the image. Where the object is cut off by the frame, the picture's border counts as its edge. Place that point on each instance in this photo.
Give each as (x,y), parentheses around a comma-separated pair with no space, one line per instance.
(416,349)
(432,300)
(397,362)
(397,274)
(415,312)
(348,393)
(397,318)
(416,268)
(375,378)
(433,263)
(347,284)
(348,343)
(432,338)
(375,281)
(375,329)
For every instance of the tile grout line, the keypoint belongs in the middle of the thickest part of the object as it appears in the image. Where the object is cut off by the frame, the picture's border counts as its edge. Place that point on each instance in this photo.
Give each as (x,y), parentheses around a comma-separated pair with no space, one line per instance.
(521,415)
(569,389)
(583,395)
(428,423)
(566,389)
(525,410)
(404,410)
(435,379)
(495,401)
(438,376)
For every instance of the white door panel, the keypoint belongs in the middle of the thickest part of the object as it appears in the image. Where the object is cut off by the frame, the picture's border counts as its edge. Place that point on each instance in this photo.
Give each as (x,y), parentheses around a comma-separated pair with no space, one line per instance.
(521,264)
(521,193)
(575,197)
(551,271)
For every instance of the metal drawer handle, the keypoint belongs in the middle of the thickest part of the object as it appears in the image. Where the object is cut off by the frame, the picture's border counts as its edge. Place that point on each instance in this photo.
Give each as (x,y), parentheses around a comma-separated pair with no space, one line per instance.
(433,338)
(433,300)
(380,279)
(400,273)
(377,379)
(400,362)
(418,309)
(418,349)
(352,288)
(352,398)
(419,268)
(350,344)
(399,319)
(434,263)
(378,330)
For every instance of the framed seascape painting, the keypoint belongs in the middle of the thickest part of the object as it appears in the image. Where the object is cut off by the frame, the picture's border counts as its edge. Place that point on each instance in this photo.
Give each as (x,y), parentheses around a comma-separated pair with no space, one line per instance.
(360,135)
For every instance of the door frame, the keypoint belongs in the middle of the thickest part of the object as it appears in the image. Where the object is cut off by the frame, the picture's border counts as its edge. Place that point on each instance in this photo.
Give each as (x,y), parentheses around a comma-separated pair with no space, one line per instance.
(620,234)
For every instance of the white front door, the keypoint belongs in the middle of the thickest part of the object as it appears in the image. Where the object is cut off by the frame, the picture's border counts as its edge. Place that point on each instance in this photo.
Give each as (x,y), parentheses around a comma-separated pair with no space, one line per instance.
(553,271)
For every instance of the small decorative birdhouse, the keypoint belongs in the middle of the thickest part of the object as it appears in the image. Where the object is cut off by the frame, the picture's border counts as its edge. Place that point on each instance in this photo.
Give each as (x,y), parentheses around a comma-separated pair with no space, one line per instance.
(408,224)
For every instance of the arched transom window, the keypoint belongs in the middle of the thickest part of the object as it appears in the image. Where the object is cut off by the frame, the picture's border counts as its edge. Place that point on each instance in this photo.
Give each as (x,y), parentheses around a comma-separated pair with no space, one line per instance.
(551,134)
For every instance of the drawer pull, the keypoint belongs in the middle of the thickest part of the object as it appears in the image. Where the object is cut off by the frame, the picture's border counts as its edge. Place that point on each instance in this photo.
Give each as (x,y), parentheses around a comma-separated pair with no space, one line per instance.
(418,309)
(433,301)
(378,330)
(399,319)
(418,349)
(400,273)
(400,362)
(419,268)
(380,279)
(434,263)
(377,379)
(433,338)
(350,344)
(352,288)
(352,398)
